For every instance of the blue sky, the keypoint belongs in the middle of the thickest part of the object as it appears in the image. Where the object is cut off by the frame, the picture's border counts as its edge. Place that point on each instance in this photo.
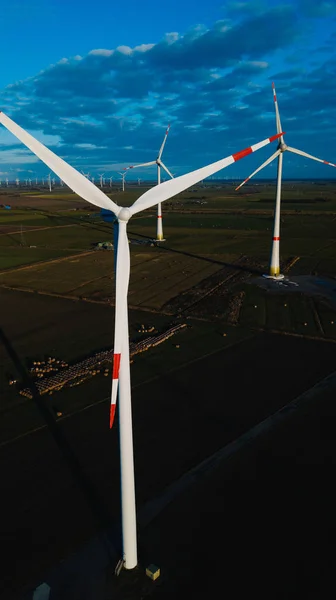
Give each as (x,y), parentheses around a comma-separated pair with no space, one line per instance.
(99,82)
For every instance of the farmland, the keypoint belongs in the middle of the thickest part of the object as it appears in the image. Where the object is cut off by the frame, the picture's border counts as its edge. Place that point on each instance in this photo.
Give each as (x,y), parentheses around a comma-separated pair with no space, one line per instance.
(217,246)
(57,300)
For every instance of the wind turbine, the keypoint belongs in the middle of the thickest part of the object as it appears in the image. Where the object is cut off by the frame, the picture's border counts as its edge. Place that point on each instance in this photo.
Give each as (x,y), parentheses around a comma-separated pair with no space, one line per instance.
(111,179)
(123,175)
(274,271)
(101,179)
(159,163)
(121,379)
(49,181)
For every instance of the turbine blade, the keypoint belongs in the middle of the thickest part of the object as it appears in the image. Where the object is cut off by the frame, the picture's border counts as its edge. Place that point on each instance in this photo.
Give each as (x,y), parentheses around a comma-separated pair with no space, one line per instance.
(122,280)
(147,164)
(164,141)
(277,114)
(170,188)
(267,162)
(301,153)
(75,180)
(165,168)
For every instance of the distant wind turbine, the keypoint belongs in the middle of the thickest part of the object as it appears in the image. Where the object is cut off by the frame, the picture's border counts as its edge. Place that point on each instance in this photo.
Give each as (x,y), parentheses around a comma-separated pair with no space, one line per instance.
(123,175)
(101,179)
(121,379)
(274,270)
(159,163)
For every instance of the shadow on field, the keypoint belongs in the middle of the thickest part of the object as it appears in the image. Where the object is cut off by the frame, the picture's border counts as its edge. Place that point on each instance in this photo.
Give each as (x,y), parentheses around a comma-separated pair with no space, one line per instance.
(234,266)
(99,512)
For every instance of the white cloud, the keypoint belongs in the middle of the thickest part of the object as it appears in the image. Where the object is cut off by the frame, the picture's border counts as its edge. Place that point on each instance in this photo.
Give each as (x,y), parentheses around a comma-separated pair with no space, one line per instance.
(124,50)
(18,157)
(171,37)
(262,64)
(89,146)
(143,47)
(101,52)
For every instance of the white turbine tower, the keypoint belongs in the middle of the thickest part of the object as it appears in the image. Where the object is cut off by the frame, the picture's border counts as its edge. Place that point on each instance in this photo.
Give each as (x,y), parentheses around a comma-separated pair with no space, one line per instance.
(7,181)
(121,380)
(49,181)
(17,181)
(159,163)
(123,175)
(111,180)
(101,179)
(274,272)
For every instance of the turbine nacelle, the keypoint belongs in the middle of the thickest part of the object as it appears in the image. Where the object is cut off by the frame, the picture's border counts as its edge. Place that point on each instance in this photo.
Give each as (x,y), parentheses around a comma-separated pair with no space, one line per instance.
(124,215)
(282,146)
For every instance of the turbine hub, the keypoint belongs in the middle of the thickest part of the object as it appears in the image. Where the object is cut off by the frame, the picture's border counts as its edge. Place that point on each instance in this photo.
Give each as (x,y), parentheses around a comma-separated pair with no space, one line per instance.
(124,215)
(282,146)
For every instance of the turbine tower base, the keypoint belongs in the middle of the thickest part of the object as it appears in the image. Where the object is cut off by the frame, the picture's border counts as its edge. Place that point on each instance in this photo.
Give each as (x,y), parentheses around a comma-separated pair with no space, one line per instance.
(274,277)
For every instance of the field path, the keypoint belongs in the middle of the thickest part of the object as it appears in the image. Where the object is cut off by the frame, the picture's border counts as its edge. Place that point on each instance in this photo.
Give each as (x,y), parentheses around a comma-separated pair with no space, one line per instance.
(49,261)
(29,228)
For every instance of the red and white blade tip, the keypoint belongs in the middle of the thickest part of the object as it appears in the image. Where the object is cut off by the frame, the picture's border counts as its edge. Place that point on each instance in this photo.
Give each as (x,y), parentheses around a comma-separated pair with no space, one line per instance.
(112,413)
(115,379)
(250,149)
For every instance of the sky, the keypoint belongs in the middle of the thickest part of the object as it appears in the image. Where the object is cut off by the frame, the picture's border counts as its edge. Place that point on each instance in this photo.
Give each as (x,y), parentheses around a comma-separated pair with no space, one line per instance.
(99,82)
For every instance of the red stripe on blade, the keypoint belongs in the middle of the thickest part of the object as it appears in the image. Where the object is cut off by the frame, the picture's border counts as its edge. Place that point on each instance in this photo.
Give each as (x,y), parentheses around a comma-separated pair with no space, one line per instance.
(276,239)
(112,413)
(242,153)
(276,136)
(159,216)
(116,366)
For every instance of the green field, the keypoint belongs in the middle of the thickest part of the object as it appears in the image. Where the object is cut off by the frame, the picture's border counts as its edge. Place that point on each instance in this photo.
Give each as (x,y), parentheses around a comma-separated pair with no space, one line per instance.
(57,292)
